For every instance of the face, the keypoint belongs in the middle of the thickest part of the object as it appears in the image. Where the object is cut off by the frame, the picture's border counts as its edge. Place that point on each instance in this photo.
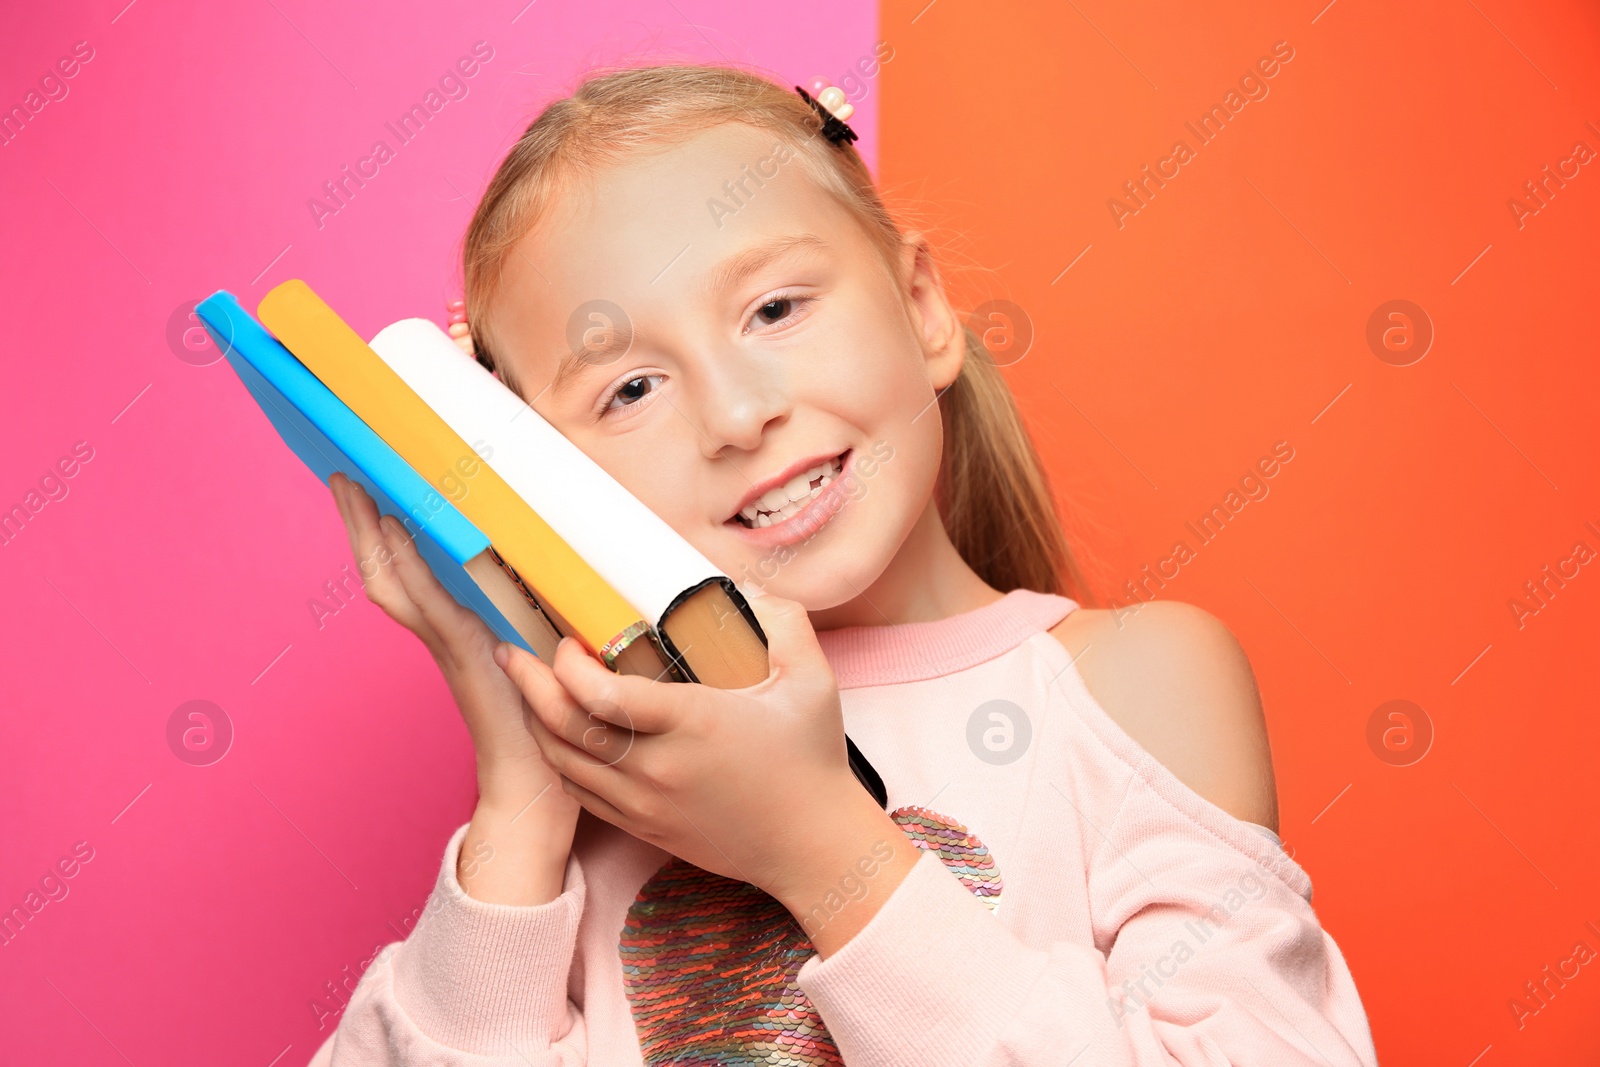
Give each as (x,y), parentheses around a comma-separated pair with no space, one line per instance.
(723,339)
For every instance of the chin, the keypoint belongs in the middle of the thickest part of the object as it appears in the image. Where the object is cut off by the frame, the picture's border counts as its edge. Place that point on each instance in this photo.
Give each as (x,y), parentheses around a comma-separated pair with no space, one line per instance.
(820,576)
(819,594)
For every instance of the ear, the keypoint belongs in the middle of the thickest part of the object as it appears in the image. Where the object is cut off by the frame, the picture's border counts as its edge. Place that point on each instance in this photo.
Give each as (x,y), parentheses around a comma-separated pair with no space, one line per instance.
(939,328)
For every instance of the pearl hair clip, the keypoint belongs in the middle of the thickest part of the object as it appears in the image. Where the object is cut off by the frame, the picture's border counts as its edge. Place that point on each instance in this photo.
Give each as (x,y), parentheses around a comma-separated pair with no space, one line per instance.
(831,105)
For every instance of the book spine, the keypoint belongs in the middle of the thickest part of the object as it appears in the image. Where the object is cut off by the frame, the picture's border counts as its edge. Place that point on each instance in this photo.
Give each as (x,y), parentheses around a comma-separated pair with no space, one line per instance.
(636,551)
(320,429)
(569,588)
(706,630)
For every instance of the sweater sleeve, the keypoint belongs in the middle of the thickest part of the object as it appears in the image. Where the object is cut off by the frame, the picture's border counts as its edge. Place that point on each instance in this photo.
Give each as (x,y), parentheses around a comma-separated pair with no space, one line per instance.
(1212,958)
(475,984)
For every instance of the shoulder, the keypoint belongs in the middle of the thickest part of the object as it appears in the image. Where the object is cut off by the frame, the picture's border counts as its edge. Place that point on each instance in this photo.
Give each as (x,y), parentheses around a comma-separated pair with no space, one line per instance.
(1177,681)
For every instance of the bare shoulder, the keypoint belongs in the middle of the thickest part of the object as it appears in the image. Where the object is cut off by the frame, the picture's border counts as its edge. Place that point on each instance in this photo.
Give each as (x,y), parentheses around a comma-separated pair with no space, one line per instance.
(1177,681)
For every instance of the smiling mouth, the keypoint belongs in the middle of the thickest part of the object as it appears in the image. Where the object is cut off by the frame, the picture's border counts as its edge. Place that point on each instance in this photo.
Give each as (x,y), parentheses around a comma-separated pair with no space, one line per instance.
(787,501)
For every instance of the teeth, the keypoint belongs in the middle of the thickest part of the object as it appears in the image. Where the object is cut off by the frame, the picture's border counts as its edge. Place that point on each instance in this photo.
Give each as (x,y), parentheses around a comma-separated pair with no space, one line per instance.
(799,487)
(789,499)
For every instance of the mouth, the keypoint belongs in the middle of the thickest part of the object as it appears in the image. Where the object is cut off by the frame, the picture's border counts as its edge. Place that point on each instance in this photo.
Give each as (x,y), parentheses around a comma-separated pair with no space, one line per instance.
(782,503)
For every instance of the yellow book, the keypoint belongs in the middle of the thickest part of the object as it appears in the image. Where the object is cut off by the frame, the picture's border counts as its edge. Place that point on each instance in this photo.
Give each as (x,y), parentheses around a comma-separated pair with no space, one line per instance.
(577,599)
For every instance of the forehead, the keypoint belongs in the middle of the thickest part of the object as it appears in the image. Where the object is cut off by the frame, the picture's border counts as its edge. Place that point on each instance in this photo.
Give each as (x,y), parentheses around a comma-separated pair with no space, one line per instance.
(649,231)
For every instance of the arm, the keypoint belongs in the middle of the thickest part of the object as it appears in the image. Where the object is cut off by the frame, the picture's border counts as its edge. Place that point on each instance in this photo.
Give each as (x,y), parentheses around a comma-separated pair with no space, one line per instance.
(1218,961)
(482,979)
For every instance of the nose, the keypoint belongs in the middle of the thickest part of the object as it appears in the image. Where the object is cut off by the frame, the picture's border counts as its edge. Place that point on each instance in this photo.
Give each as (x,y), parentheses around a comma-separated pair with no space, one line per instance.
(743,395)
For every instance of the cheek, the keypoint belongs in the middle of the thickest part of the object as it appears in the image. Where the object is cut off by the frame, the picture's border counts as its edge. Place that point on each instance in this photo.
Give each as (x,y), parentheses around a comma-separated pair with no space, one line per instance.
(871,377)
(660,469)
(905,464)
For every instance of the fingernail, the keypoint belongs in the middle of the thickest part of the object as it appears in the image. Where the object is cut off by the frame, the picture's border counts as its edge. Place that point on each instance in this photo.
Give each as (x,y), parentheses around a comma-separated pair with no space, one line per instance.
(502,656)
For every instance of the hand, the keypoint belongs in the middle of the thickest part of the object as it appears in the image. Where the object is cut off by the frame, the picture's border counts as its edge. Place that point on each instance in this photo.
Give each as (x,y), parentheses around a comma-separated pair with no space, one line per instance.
(744,783)
(511,771)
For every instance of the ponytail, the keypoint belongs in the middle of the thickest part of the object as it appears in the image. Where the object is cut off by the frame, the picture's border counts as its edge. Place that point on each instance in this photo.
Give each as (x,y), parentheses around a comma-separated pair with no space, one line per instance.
(993,495)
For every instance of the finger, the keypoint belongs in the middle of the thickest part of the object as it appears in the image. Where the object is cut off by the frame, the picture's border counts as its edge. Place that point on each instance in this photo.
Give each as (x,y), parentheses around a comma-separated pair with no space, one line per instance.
(375,560)
(642,704)
(595,804)
(439,609)
(531,675)
(361,515)
(336,482)
(339,485)
(570,762)
(792,645)
(557,713)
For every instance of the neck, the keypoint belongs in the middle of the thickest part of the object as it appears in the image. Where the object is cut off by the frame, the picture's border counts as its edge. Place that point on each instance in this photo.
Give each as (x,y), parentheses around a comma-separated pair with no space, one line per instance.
(927,580)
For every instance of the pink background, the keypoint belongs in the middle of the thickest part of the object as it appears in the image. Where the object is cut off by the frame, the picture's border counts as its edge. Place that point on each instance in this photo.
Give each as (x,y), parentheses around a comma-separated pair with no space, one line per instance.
(179,566)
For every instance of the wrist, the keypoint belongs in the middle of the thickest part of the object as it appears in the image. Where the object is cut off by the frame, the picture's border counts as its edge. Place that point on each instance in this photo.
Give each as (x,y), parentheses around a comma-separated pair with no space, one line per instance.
(505,776)
(507,858)
(513,784)
(539,818)
(854,860)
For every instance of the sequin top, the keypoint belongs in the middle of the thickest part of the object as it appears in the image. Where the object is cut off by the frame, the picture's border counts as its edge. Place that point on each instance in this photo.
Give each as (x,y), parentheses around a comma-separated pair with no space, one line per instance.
(1076,903)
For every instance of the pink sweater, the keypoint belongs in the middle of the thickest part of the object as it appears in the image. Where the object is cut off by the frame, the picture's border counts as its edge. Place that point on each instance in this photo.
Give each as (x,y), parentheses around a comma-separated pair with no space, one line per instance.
(1076,904)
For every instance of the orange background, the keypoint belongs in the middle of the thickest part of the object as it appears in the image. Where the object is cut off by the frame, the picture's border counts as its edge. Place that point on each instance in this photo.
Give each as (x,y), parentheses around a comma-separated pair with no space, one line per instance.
(1228,314)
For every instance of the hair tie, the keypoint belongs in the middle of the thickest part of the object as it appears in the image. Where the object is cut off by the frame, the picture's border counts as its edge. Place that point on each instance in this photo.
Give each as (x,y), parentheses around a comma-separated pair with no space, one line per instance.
(831,105)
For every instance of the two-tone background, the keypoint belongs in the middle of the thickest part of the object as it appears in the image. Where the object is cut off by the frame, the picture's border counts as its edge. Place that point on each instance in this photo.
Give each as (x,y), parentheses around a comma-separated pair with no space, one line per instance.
(1380,258)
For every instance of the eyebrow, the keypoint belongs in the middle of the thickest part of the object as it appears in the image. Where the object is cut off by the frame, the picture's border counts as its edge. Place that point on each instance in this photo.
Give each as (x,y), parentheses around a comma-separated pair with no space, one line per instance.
(727,274)
(741,265)
(572,365)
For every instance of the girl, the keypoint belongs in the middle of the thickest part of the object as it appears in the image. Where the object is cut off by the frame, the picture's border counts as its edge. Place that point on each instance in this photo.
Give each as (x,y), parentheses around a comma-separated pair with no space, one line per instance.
(1077,864)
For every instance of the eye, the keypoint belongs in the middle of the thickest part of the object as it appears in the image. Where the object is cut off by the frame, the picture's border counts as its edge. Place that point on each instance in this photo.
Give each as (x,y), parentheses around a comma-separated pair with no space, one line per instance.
(630,393)
(774,310)
(784,306)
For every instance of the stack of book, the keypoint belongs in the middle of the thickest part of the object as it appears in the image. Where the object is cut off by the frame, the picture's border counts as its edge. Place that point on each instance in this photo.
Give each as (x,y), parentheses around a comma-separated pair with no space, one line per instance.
(520,525)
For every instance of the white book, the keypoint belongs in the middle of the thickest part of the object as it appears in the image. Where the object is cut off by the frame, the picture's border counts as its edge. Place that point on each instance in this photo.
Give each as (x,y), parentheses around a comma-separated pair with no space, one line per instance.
(697,611)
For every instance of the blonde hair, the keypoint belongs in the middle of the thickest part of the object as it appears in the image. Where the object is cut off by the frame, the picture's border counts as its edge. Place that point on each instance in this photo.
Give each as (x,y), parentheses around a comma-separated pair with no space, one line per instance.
(992,493)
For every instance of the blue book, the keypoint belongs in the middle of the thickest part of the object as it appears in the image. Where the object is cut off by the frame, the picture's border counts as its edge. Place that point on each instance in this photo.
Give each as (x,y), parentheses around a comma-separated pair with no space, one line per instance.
(328,437)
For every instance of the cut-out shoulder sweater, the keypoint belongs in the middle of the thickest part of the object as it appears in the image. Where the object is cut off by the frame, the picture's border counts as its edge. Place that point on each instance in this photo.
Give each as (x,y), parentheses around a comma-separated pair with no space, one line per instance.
(1076,903)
